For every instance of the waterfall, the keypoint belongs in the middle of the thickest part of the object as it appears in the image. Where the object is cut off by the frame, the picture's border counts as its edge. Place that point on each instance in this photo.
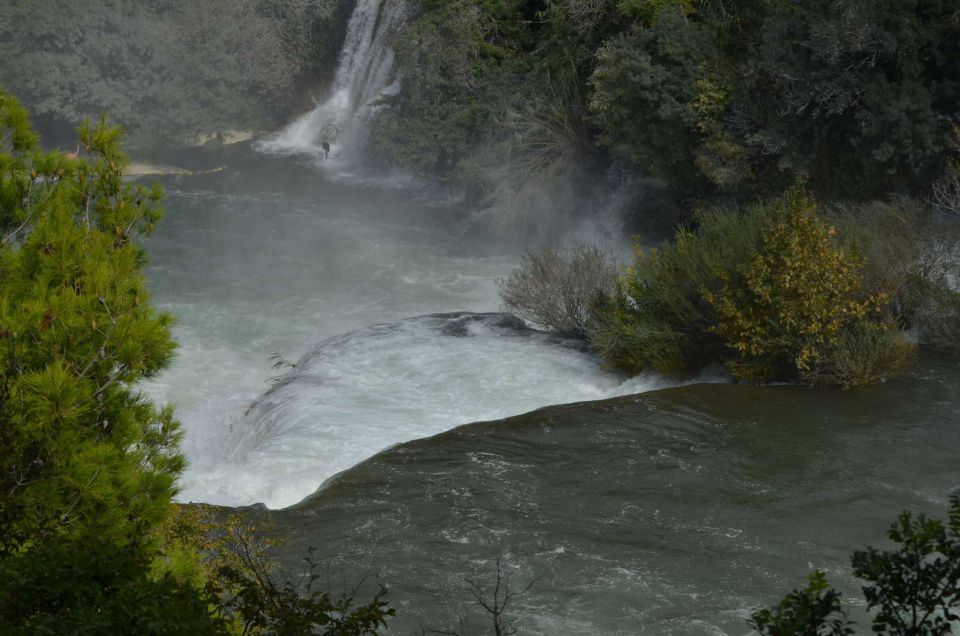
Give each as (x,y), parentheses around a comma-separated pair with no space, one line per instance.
(364,75)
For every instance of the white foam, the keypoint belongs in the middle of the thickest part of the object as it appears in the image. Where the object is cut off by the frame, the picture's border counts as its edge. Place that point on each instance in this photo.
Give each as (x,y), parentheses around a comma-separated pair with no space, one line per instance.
(357,394)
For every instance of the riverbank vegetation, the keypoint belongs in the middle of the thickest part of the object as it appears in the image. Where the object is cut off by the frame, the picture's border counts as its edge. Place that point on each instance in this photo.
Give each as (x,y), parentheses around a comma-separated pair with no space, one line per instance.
(718,102)
(782,290)
(90,541)
(807,154)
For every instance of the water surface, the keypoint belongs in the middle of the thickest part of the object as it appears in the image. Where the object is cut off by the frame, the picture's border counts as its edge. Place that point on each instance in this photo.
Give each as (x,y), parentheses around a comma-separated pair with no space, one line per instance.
(672,512)
(274,257)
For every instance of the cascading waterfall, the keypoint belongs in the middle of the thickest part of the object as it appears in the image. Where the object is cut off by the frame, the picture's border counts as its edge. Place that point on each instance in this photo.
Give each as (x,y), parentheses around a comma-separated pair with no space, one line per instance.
(364,75)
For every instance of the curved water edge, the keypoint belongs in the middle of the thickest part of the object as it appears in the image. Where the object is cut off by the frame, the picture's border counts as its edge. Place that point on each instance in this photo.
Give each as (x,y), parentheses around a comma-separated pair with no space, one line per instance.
(356,394)
(674,512)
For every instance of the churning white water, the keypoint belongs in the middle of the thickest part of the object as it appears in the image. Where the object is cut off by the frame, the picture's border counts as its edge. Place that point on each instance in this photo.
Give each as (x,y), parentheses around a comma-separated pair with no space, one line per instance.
(354,395)
(350,267)
(364,75)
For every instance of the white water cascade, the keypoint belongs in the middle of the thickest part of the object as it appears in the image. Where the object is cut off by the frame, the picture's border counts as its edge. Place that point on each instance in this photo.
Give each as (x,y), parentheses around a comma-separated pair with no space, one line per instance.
(364,75)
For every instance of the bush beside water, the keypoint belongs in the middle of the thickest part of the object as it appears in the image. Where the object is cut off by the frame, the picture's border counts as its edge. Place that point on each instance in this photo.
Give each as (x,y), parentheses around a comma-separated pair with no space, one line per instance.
(557,289)
(780,291)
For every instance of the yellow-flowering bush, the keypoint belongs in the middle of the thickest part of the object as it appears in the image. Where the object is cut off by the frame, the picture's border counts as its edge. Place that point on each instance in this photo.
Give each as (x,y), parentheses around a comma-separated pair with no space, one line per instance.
(794,307)
(770,292)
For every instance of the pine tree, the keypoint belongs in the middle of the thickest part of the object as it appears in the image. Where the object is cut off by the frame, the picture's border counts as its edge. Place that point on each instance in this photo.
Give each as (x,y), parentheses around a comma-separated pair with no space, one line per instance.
(88,464)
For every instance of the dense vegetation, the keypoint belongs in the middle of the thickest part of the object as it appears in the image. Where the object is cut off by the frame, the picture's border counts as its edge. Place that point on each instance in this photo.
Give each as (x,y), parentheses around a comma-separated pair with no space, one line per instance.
(169,70)
(90,541)
(807,152)
(777,292)
(719,100)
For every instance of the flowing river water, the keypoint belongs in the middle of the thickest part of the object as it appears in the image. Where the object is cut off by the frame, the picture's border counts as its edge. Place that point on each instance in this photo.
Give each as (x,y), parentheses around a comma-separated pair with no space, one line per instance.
(282,260)
(671,511)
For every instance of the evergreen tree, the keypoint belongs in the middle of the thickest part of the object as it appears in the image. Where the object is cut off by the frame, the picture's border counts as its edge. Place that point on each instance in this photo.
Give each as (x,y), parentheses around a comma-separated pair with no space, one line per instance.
(87,463)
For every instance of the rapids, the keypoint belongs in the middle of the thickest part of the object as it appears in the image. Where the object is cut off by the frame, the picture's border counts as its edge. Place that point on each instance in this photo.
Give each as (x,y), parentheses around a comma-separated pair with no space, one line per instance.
(261,261)
(672,512)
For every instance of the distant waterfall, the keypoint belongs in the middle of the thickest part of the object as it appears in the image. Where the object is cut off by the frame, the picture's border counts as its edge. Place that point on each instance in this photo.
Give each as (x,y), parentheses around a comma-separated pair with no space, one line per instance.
(364,74)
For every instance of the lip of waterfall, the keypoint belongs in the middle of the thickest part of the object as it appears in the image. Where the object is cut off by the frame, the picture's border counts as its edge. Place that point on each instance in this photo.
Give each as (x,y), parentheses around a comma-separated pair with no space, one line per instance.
(356,394)
(335,128)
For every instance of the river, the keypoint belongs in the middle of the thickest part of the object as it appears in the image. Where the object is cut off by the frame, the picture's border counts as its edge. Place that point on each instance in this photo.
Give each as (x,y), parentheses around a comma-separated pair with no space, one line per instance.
(672,511)
(380,438)
(275,257)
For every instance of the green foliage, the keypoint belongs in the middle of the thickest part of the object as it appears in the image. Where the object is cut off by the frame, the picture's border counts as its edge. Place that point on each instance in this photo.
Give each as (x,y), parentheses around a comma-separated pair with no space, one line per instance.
(659,320)
(914,588)
(230,561)
(917,587)
(853,98)
(909,251)
(813,611)
(87,464)
(489,79)
(644,87)
(866,353)
(647,11)
(265,604)
(455,64)
(90,586)
(80,449)
(769,292)
(721,101)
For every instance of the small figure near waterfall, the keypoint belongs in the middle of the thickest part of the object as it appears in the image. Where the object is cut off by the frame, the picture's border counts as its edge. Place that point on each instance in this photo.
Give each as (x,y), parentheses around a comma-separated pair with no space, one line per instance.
(326,150)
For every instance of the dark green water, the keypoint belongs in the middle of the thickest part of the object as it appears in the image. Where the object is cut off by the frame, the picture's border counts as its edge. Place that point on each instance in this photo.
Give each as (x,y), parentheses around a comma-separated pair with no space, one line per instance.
(672,512)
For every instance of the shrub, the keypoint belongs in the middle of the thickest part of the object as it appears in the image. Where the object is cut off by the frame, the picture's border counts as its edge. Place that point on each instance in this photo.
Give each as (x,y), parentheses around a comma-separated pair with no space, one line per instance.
(863,355)
(916,587)
(769,292)
(812,611)
(658,319)
(796,303)
(88,585)
(557,289)
(228,557)
(910,254)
